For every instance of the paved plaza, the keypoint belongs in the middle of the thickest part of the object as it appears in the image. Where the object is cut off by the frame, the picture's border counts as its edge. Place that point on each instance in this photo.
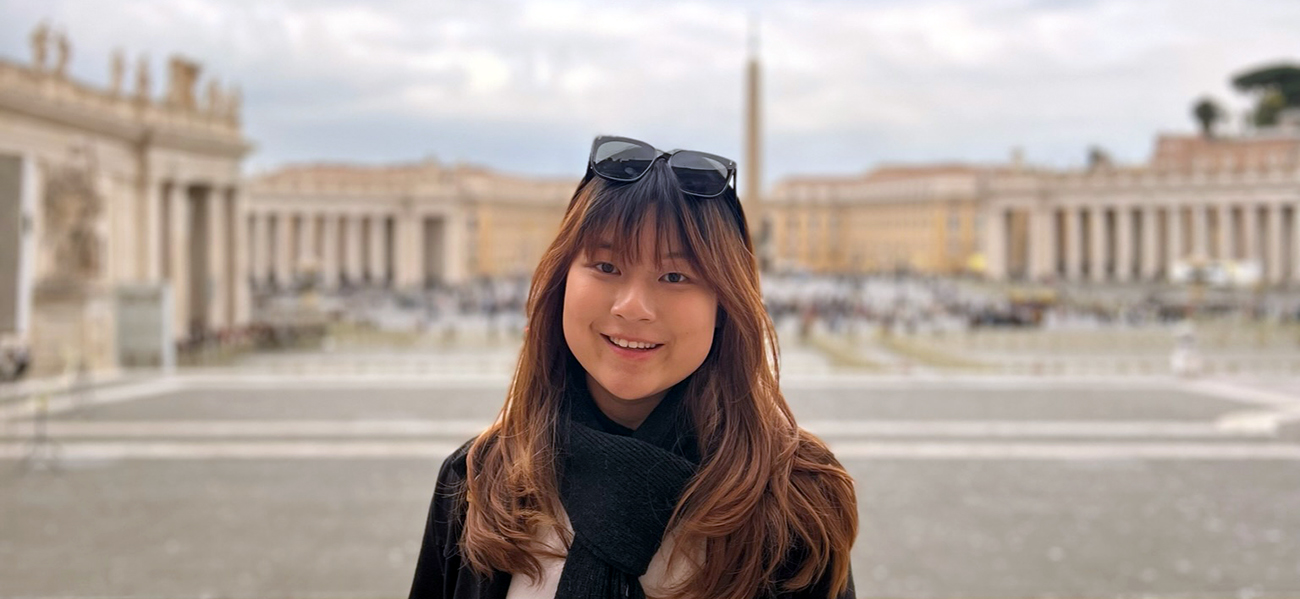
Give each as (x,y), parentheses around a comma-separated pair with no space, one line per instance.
(273,486)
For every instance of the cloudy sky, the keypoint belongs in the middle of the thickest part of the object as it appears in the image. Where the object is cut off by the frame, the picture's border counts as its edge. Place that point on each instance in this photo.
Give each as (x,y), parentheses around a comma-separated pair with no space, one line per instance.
(523,86)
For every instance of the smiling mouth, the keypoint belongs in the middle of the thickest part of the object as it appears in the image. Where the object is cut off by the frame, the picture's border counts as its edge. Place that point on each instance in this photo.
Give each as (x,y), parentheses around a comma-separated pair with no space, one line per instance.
(630,349)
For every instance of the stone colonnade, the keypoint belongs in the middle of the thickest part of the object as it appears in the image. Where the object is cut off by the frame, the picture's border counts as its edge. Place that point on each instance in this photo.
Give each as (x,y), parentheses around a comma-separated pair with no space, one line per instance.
(1122,242)
(193,241)
(289,248)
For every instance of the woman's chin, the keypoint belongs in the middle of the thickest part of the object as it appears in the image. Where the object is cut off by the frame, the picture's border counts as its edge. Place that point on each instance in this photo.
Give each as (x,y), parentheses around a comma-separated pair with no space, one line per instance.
(628,393)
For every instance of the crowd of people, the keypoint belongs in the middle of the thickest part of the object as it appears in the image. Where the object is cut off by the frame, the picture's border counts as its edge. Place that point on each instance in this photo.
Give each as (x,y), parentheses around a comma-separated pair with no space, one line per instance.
(897,303)
(892,303)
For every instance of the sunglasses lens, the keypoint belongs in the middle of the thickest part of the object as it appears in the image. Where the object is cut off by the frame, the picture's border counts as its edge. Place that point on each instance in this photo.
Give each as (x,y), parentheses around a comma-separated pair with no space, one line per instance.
(699,174)
(621,160)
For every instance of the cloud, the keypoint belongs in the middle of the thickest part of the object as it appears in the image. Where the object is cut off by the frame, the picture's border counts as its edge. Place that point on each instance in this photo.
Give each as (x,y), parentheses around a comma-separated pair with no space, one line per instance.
(522,86)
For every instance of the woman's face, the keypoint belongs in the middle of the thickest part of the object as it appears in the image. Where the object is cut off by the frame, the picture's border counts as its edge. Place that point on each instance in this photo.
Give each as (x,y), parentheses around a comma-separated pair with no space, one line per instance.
(670,307)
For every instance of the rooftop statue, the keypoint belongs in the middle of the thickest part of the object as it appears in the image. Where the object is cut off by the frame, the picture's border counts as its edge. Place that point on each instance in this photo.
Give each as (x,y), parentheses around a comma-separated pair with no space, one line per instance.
(142,79)
(63,51)
(234,100)
(117,72)
(215,100)
(40,41)
(184,74)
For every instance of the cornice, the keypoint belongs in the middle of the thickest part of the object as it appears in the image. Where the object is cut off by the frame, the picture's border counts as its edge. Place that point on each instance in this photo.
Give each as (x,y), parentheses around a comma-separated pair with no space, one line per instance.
(67,103)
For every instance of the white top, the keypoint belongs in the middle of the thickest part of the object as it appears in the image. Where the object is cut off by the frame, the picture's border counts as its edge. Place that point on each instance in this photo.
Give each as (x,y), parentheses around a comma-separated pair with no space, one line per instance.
(653,581)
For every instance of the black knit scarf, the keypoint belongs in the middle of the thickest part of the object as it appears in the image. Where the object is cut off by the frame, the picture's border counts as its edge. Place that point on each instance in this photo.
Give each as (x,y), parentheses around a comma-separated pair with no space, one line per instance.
(619,488)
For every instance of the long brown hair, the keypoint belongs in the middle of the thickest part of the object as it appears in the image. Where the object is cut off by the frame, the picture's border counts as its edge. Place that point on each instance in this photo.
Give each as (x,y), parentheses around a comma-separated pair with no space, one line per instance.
(764,487)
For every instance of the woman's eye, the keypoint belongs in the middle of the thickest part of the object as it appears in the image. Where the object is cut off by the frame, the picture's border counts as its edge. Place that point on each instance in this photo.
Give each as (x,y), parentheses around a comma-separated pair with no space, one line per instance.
(608,269)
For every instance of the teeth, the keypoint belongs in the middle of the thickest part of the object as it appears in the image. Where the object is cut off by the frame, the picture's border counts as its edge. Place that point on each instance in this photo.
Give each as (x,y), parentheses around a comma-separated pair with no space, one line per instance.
(631,344)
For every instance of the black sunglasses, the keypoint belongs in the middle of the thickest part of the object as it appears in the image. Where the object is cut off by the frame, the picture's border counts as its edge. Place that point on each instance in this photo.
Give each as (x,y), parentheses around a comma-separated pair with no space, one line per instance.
(625,159)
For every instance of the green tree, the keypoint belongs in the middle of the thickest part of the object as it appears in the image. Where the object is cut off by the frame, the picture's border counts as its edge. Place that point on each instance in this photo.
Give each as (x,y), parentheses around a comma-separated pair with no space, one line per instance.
(1278,87)
(1207,113)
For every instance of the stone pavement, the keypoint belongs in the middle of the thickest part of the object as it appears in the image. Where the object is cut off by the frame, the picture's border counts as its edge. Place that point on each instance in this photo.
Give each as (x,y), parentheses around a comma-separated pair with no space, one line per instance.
(268,486)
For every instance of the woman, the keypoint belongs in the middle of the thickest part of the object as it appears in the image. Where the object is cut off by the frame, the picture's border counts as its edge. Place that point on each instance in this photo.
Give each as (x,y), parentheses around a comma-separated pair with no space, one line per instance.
(644,448)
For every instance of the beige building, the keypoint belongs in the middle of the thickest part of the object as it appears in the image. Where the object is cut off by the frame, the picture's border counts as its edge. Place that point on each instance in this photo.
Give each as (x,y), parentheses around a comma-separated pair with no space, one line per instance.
(1233,203)
(915,218)
(106,187)
(398,226)
(1197,202)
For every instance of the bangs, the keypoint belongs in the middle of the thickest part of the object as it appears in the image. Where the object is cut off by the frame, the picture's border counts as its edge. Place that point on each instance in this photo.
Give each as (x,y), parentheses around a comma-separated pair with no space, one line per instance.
(618,213)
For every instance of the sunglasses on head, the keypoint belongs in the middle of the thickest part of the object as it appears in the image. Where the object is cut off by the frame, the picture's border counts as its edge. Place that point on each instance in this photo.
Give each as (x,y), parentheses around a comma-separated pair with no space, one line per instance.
(625,159)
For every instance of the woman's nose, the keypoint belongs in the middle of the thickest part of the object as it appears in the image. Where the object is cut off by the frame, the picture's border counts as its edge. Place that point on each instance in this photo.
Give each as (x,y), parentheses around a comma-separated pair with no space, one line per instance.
(634,301)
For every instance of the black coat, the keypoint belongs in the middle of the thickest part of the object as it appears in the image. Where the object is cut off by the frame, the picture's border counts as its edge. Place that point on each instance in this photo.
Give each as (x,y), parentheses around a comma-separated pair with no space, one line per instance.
(440,573)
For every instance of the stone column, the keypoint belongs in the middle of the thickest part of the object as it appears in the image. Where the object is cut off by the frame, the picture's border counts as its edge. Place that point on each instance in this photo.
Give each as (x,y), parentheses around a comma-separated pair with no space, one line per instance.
(1251,233)
(353,264)
(120,243)
(241,298)
(308,261)
(455,266)
(1295,243)
(329,259)
(293,227)
(218,254)
(365,248)
(264,263)
(270,244)
(1097,224)
(178,207)
(409,269)
(257,262)
(1150,243)
(1200,233)
(1042,246)
(1174,219)
(995,244)
(377,249)
(1073,243)
(283,249)
(1124,243)
(151,246)
(1226,241)
(1274,244)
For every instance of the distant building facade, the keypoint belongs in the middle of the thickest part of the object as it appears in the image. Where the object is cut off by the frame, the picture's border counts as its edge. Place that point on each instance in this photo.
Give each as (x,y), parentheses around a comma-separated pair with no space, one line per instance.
(398,226)
(106,187)
(1198,201)
(904,218)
